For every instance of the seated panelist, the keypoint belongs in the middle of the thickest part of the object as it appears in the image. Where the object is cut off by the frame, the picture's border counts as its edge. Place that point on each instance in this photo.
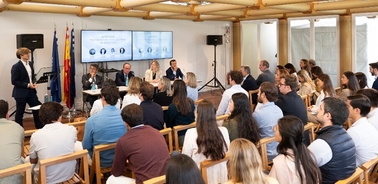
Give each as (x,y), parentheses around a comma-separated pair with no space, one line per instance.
(90,79)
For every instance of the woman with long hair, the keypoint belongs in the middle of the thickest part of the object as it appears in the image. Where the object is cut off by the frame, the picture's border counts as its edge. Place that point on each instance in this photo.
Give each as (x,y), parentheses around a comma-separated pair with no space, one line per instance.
(294,164)
(290,69)
(362,80)
(279,73)
(164,96)
(182,169)
(191,86)
(241,124)
(316,71)
(306,86)
(153,74)
(244,165)
(132,95)
(304,65)
(349,85)
(208,141)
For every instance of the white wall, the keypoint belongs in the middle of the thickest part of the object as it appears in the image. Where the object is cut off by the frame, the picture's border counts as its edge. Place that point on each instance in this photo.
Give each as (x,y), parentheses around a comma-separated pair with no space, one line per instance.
(189,45)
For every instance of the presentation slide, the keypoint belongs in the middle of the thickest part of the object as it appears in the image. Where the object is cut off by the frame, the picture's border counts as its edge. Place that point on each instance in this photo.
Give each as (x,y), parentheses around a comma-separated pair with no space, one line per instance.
(152,45)
(104,46)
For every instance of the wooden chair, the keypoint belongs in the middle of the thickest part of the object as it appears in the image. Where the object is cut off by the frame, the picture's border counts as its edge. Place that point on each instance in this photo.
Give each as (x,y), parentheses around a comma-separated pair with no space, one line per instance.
(178,128)
(355,178)
(305,100)
(311,129)
(263,151)
(168,132)
(18,169)
(370,169)
(198,101)
(310,96)
(251,92)
(204,165)
(95,167)
(76,178)
(156,180)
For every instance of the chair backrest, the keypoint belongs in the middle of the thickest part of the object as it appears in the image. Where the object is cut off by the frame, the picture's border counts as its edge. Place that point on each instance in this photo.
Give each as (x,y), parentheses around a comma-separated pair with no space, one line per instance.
(204,165)
(198,101)
(156,180)
(251,92)
(178,128)
(83,155)
(311,127)
(263,151)
(305,100)
(168,133)
(354,178)
(95,167)
(370,171)
(22,168)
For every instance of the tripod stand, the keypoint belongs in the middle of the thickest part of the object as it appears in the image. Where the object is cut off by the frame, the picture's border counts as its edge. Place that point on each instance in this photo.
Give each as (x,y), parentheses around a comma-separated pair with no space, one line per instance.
(216,81)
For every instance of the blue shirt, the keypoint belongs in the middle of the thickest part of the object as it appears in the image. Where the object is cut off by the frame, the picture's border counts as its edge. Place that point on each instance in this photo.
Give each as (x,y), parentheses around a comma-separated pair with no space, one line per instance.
(192,93)
(266,117)
(105,127)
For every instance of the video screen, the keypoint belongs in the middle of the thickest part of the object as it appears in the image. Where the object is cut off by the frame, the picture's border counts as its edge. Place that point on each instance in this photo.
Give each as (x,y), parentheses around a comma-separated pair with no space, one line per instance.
(152,45)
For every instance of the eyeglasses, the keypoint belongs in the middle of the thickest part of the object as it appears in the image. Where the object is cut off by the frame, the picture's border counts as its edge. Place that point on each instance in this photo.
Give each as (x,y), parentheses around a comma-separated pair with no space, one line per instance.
(280,84)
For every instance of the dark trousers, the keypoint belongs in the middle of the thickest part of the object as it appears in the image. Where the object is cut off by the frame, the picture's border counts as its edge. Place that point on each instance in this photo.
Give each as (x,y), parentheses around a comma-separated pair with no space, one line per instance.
(32,100)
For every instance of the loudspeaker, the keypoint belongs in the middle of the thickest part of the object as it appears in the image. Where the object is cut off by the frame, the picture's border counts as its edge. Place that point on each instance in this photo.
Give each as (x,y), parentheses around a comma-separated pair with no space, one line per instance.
(214,40)
(30,41)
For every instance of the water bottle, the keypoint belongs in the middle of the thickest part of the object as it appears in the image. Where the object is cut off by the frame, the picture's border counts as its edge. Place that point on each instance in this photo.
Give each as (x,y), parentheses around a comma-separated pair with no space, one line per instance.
(127,81)
(46,99)
(93,86)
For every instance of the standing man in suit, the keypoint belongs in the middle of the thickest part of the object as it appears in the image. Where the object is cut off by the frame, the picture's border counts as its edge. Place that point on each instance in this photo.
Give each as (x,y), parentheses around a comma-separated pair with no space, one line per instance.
(90,79)
(374,72)
(266,75)
(24,90)
(173,72)
(123,77)
(249,83)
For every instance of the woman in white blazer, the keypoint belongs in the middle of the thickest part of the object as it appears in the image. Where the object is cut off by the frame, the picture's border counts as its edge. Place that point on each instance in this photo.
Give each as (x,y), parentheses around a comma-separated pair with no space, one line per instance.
(154,73)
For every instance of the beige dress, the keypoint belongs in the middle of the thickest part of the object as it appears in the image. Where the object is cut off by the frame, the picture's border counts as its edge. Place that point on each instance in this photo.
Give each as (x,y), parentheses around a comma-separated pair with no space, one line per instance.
(305,89)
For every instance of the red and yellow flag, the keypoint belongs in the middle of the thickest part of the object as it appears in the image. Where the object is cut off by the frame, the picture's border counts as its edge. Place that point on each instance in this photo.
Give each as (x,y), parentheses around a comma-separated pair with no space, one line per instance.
(67,71)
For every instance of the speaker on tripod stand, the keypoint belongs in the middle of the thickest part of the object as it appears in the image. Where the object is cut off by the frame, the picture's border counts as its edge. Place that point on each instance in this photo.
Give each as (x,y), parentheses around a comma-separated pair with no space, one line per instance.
(214,40)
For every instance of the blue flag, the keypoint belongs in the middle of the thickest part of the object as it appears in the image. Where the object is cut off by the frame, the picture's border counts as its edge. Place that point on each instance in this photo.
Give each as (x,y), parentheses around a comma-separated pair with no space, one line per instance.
(56,92)
(72,63)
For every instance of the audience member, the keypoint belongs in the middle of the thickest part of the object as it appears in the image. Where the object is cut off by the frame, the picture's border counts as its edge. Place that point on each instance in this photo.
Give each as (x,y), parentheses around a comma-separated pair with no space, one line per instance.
(235,79)
(334,150)
(154,73)
(316,71)
(361,131)
(362,80)
(208,141)
(11,142)
(312,62)
(152,112)
(349,85)
(249,83)
(277,76)
(306,85)
(132,95)
(183,170)
(290,68)
(173,72)
(97,105)
(295,163)
(142,149)
(104,127)
(191,86)
(291,103)
(241,124)
(279,67)
(53,140)
(164,97)
(374,72)
(304,65)
(266,75)
(90,79)
(372,94)
(268,115)
(245,164)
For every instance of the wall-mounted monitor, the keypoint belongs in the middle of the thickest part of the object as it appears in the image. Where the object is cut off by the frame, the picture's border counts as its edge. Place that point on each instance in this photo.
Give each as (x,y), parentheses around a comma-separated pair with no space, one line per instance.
(105,45)
(152,45)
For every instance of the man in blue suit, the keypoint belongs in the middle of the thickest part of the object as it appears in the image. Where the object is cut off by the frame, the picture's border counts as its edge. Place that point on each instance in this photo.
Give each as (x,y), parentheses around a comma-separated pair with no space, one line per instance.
(24,90)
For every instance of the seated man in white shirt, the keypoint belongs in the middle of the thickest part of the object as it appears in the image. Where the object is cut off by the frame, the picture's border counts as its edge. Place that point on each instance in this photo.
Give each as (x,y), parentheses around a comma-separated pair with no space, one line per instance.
(235,79)
(97,105)
(372,94)
(362,132)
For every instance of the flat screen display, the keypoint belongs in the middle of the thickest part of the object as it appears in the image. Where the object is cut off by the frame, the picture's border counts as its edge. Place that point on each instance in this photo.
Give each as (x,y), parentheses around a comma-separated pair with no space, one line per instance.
(105,45)
(152,45)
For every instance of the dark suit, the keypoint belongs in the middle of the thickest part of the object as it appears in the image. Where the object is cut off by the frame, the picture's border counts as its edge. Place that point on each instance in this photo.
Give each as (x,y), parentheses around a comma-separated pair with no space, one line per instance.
(169,74)
(22,94)
(265,76)
(120,80)
(250,84)
(88,85)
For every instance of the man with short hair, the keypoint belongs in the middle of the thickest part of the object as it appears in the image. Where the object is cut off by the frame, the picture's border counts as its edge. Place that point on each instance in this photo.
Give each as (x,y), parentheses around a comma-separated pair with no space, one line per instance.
(266,75)
(290,102)
(90,79)
(97,105)
(362,132)
(268,115)
(104,127)
(249,83)
(143,149)
(372,94)
(173,72)
(11,141)
(333,149)
(235,80)
(123,76)
(312,62)
(374,72)
(152,112)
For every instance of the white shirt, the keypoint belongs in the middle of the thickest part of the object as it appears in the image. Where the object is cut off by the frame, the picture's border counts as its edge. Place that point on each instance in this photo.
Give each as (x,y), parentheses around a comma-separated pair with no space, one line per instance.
(130,99)
(315,108)
(97,106)
(54,140)
(226,97)
(28,69)
(321,151)
(372,117)
(149,75)
(365,138)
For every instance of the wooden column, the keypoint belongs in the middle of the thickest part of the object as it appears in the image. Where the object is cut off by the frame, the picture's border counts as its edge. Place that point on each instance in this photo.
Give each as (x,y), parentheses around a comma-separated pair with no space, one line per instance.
(236,45)
(345,22)
(283,41)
